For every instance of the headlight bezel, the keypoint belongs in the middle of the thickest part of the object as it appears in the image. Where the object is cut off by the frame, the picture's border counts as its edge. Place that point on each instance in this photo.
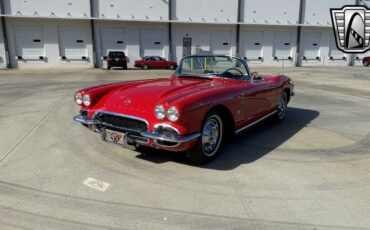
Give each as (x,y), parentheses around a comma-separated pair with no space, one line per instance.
(173,114)
(78,98)
(160,112)
(86,100)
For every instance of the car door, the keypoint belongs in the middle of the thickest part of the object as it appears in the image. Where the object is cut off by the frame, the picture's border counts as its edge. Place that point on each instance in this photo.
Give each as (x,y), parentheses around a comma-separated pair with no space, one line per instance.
(158,62)
(162,63)
(151,62)
(257,97)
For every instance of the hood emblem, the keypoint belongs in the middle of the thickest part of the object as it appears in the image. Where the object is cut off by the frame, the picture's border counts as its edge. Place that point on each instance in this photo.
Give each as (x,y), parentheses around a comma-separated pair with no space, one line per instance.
(127,101)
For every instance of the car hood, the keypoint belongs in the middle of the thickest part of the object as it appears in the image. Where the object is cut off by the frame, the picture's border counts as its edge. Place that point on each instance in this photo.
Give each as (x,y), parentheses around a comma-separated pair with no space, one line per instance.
(143,96)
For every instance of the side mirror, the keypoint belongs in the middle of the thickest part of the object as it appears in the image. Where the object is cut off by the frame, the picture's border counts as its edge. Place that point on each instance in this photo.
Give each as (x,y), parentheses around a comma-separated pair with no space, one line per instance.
(255,75)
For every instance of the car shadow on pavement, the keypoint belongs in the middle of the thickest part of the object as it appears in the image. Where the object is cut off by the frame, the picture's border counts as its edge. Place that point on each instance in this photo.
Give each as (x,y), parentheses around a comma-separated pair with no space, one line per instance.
(249,146)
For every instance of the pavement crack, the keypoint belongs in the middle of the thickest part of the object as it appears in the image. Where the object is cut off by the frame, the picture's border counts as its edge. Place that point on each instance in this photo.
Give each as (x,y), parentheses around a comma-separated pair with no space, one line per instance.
(20,141)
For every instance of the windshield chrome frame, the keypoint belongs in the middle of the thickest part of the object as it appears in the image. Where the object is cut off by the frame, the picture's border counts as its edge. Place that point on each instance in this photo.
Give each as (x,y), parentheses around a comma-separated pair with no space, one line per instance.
(210,56)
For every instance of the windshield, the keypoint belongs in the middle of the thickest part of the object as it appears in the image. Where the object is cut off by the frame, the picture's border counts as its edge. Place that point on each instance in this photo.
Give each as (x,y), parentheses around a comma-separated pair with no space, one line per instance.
(213,66)
(116,54)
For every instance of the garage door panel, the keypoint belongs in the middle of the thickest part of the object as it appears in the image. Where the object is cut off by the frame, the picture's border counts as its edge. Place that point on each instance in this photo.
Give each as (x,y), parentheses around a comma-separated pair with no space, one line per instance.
(311,45)
(221,42)
(151,42)
(360,56)
(253,43)
(334,52)
(283,41)
(72,42)
(113,39)
(29,41)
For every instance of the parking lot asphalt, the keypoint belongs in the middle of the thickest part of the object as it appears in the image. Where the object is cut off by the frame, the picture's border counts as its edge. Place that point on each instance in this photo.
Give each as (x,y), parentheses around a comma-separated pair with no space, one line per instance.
(309,172)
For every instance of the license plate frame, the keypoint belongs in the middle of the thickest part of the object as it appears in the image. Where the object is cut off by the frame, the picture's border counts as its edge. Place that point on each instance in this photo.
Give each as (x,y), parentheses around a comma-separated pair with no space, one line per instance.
(114,137)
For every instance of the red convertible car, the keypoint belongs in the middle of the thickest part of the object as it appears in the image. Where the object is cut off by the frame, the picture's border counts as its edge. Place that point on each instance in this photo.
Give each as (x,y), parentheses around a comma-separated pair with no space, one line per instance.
(207,99)
(155,62)
(366,61)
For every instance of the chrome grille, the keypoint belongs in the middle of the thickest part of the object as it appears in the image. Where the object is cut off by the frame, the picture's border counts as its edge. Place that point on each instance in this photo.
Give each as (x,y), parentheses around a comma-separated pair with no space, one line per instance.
(122,122)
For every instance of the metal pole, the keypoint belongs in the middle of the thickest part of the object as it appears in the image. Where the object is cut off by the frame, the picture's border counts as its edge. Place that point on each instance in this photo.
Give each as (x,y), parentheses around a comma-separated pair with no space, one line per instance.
(352,57)
(299,31)
(323,62)
(238,28)
(92,25)
(5,35)
(170,47)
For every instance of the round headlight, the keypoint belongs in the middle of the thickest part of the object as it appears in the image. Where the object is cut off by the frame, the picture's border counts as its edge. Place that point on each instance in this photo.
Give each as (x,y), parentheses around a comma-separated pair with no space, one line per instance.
(173,114)
(78,98)
(160,112)
(86,100)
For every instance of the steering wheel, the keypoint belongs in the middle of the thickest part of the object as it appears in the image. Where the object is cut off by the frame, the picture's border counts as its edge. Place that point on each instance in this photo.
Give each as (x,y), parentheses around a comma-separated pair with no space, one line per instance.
(229,74)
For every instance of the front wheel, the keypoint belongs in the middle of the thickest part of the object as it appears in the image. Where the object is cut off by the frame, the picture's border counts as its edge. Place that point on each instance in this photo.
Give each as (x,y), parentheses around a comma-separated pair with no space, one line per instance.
(210,141)
(171,67)
(282,107)
(145,67)
(366,63)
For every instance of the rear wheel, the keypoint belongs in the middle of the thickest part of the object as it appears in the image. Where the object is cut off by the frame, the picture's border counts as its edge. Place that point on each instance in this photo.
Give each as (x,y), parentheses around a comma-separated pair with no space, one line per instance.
(210,142)
(125,66)
(109,67)
(171,67)
(146,67)
(366,63)
(282,107)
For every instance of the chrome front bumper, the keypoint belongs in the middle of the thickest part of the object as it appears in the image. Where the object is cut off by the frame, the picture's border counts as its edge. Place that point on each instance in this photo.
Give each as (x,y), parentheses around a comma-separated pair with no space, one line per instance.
(150,135)
(82,120)
(161,137)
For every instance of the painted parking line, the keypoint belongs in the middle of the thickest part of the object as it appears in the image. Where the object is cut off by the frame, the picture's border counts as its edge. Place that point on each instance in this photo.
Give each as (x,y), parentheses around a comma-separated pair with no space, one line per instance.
(96,184)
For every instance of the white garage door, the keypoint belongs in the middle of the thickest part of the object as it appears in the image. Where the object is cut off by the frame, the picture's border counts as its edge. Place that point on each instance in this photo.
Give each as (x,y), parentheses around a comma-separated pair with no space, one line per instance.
(283,41)
(334,52)
(311,45)
(72,41)
(359,57)
(113,39)
(29,41)
(221,42)
(151,42)
(252,44)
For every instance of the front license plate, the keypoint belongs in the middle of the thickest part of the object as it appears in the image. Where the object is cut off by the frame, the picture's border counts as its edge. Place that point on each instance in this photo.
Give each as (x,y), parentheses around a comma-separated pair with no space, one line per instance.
(114,137)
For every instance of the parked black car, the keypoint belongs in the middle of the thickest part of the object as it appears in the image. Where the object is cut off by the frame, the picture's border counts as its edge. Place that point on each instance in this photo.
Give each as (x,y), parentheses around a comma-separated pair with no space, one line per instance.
(117,59)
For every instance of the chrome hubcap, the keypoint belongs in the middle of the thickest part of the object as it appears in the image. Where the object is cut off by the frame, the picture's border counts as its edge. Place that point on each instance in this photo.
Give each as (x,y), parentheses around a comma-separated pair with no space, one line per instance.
(211,136)
(282,107)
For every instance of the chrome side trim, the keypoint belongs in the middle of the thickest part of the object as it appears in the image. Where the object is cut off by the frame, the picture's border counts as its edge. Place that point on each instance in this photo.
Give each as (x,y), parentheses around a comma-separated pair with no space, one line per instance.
(254,123)
(160,137)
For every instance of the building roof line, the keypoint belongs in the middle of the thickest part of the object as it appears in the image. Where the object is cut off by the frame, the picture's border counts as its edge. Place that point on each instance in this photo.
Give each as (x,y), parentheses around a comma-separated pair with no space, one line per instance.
(161,21)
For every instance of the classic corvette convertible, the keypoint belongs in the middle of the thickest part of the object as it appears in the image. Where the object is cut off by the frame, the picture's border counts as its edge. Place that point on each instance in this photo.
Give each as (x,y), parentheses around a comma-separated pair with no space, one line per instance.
(207,99)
